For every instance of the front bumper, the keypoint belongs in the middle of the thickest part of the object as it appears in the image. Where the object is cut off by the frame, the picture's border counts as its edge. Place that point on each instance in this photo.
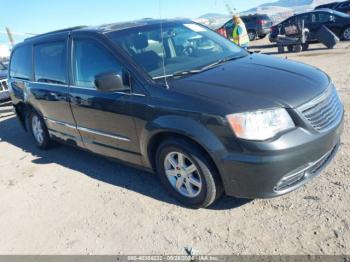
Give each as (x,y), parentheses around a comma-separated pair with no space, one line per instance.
(278,167)
(4,92)
(4,95)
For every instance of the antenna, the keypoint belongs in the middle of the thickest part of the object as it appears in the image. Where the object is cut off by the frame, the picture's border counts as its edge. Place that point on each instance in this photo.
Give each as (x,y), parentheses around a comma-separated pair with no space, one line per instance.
(162,38)
(9,34)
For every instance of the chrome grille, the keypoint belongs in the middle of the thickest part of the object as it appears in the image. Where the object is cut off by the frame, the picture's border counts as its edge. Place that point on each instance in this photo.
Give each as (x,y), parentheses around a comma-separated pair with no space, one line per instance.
(325,112)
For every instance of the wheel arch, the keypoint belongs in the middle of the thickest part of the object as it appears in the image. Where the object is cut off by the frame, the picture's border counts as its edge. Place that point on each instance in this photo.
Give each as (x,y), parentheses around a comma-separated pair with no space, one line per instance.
(178,127)
(343,31)
(22,111)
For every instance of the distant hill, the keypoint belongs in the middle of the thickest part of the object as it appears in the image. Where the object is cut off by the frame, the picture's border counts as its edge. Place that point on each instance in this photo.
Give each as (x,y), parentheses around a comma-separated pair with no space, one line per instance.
(277,10)
(295,4)
(211,15)
(289,3)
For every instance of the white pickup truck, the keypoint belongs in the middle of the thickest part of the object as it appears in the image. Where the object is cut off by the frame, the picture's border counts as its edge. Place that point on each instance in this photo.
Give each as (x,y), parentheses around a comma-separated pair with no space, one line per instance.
(4,93)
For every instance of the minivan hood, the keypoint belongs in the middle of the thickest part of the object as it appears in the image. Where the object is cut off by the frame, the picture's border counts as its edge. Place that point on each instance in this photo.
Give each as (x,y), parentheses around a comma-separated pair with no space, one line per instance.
(257,77)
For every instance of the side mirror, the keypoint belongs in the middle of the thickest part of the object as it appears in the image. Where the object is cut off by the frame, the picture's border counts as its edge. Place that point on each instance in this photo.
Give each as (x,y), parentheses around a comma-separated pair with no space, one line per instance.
(110,82)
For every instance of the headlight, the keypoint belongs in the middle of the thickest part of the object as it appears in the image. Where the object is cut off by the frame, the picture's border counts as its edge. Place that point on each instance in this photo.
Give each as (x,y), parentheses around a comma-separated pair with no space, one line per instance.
(260,125)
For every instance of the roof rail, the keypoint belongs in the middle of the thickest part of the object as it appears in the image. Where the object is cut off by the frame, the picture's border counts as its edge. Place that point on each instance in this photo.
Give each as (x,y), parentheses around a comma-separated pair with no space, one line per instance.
(56,31)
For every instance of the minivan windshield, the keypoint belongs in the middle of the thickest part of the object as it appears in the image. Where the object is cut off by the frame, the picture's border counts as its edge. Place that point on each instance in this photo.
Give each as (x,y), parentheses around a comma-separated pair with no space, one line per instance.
(340,14)
(175,48)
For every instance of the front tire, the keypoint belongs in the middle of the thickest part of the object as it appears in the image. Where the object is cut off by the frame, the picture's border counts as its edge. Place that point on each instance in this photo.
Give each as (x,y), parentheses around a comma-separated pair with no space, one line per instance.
(39,131)
(187,173)
(305,47)
(346,34)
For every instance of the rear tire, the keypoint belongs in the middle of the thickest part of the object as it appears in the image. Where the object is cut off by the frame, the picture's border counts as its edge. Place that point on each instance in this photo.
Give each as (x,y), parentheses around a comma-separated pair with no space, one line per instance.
(280,49)
(297,48)
(305,47)
(38,130)
(198,187)
(252,35)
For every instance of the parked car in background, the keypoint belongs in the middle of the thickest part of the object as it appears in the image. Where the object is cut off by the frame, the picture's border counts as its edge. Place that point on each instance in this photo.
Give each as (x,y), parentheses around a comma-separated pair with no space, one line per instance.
(204,114)
(343,7)
(258,26)
(4,93)
(337,22)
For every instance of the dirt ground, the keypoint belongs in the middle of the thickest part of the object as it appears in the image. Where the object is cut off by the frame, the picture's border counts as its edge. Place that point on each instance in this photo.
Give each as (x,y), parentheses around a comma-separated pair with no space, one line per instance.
(66,201)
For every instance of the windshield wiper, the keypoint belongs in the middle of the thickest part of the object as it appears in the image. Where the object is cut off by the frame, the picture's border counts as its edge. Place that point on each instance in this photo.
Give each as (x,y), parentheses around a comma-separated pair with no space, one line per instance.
(178,74)
(199,70)
(216,63)
(221,61)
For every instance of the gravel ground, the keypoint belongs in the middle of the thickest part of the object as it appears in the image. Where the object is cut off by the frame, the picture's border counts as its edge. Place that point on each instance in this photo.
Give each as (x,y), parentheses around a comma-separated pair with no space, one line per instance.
(66,201)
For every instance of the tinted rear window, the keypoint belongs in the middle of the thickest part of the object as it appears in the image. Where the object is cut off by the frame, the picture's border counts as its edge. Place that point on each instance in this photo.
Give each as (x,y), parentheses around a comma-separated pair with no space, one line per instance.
(21,63)
(264,17)
(50,63)
(251,18)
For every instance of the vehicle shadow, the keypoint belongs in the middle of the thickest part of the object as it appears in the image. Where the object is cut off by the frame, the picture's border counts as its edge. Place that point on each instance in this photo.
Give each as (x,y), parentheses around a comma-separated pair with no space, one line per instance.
(252,47)
(310,50)
(97,167)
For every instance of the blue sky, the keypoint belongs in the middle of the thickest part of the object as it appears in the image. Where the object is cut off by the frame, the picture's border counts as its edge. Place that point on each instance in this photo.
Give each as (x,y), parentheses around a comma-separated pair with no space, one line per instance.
(39,16)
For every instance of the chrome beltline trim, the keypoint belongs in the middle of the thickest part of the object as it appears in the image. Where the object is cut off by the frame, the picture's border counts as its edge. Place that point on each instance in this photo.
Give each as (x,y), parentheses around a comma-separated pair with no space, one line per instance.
(86,88)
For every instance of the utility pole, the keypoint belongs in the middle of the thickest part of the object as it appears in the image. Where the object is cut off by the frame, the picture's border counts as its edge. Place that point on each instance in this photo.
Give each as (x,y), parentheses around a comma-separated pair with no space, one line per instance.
(9,34)
(231,11)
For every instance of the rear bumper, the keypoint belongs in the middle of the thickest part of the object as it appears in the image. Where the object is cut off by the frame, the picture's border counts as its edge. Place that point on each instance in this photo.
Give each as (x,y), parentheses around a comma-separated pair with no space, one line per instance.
(263,32)
(287,164)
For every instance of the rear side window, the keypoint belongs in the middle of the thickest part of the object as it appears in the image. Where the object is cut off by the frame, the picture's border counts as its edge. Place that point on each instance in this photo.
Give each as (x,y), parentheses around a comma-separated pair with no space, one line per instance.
(21,63)
(320,17)
(50,63)
(90,59)
(229,24)
(247,19)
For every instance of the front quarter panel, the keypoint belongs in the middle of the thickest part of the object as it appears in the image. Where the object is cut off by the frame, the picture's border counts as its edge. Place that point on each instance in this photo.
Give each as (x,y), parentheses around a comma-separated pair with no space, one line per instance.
(175,113)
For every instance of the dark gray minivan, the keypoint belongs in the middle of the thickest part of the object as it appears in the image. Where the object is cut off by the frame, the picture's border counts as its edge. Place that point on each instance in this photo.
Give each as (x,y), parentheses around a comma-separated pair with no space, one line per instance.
(176,98)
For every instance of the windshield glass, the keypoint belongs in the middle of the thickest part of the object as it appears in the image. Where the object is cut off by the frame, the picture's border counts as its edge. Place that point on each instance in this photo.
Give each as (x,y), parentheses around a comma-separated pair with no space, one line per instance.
(184,46)
(340,14)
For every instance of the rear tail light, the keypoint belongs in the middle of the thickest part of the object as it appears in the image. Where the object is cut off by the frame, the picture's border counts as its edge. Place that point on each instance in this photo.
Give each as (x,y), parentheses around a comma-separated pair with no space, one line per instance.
(261,22)
(222,32)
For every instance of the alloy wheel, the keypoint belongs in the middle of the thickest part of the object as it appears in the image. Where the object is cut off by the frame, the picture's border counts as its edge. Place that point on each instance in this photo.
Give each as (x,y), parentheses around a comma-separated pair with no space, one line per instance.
(38,130)
(252,36)
(346,33)
(183,174)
